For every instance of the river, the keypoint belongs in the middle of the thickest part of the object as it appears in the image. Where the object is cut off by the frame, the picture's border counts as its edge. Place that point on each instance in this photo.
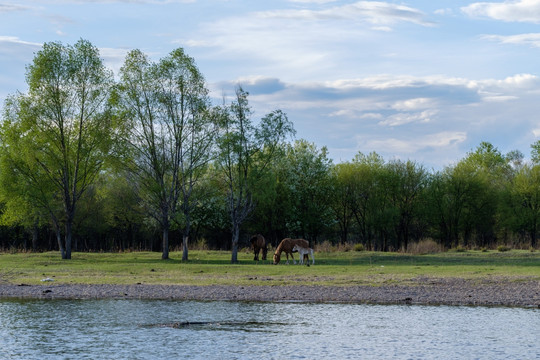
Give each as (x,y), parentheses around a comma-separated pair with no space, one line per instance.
(142,329)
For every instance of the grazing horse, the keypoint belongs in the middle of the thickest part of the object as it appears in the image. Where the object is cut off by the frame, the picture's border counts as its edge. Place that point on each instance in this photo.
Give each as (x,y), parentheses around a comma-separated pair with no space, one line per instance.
(303,252)
(287,245)
(258,243)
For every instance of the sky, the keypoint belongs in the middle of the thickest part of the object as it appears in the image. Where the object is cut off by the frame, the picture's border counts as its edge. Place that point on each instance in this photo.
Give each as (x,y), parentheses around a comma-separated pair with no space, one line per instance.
(424,80)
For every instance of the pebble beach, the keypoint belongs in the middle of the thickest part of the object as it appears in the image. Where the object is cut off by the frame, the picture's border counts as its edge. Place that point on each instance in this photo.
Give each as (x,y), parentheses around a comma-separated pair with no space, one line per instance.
(423,291)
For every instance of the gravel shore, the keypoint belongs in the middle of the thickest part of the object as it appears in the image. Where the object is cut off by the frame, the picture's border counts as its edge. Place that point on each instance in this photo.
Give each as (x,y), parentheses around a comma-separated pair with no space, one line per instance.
(427,291)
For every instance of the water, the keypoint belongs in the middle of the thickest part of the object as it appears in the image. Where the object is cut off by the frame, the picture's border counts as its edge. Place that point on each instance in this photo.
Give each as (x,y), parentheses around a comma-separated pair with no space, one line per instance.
(136,329)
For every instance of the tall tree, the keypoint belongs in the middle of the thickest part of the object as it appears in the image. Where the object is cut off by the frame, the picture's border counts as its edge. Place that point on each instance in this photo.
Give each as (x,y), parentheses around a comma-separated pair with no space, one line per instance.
(491,171)
(172,134)
(64,128)
(246,151)
(344,184)
(405,185)
(369,201)
(525,201)
(306,173)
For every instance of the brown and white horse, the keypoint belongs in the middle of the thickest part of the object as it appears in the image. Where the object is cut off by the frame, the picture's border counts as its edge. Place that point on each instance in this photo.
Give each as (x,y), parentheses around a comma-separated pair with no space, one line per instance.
(287,245)
(258,243)
(303,253)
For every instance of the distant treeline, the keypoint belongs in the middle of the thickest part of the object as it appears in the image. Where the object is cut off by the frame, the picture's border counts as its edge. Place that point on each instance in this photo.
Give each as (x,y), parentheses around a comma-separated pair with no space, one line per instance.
(147,162)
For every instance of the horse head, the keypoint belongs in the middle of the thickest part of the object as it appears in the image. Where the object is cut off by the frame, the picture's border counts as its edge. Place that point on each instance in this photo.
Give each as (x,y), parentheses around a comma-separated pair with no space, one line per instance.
(277,257)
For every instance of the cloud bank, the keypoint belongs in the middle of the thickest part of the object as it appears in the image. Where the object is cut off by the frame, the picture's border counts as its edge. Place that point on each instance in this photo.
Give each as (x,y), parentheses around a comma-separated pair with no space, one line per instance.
(521,11)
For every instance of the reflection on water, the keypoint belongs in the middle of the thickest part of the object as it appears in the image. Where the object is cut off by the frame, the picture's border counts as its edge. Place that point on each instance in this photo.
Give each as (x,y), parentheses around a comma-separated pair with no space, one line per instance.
(133,329)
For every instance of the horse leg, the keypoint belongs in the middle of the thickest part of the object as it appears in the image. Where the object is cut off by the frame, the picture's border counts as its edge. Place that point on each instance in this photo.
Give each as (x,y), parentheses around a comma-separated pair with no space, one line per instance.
(256,252)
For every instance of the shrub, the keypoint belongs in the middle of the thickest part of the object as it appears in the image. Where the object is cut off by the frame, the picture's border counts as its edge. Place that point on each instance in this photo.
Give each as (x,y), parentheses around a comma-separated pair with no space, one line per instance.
(325,246)
(460,248)
(503,248)
(358,247)
(425,246)
(345,247)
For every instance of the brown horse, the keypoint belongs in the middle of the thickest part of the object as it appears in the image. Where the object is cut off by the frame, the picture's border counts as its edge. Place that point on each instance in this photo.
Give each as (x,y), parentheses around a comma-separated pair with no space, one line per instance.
(258,243)
(287,245)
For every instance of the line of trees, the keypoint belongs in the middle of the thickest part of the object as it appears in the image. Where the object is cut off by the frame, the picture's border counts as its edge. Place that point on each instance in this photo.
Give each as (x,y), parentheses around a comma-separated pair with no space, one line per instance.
(147,162)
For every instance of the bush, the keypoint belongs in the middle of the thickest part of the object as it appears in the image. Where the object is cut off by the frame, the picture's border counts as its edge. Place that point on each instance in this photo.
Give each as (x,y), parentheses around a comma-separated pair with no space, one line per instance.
(425,246)
(503,248)
(325,246)
(358,247)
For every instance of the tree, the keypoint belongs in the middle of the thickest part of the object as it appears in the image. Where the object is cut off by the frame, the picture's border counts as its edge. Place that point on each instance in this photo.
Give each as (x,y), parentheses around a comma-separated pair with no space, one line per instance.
(246,151)
(62,130)
(344,183)
(525,201)
(491,171)
(172,135)
(535,152)
(369,202)
(306,174)
(457,197)
(405,185)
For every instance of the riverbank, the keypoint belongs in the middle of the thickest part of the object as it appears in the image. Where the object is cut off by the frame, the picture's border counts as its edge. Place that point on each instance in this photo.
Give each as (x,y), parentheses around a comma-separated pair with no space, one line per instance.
(422,291)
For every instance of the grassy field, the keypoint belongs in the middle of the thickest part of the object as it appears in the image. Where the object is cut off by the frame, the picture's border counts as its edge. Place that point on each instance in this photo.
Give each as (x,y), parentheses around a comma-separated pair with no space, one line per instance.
(213,267)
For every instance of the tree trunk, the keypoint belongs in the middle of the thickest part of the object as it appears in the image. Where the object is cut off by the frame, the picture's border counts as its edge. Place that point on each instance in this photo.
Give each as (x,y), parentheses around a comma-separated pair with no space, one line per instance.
(68,240)
(235,236)
(185,238)
(35,229)
(165,254)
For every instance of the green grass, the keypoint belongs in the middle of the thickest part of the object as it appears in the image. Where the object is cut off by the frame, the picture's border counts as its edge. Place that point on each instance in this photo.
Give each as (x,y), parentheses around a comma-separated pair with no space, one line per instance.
(213,267)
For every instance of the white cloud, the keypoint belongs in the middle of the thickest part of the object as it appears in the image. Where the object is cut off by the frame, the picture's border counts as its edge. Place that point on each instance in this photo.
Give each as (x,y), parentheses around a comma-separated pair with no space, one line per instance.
(413,104)
(374,12)
(519,81)
(142,2)
(446,11)
(407,118)
(4,8)
(411,146)
(17,41)
(531,39)
(312,1)
(522,10)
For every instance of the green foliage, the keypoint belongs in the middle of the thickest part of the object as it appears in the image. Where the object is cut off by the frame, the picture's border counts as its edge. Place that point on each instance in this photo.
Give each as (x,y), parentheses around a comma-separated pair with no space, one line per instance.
(359,247)
(110,165)
(57,137)
(304,173)
(503,248)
